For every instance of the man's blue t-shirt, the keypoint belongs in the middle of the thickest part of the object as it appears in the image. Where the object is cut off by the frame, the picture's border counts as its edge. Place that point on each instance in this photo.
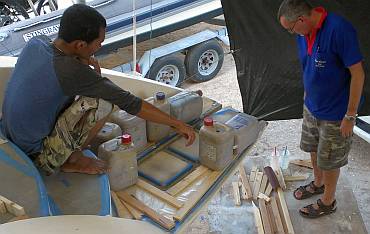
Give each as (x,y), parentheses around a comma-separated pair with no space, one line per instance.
(326,75)
(44,82)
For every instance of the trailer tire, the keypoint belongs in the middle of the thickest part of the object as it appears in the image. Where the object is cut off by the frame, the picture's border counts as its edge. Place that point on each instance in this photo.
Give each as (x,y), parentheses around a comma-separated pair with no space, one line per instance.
(204,61)
(169,69)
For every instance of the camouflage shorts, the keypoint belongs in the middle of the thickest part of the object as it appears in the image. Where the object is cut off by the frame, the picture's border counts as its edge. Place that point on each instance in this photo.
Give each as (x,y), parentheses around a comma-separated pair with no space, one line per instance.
(324,138)
(71,131)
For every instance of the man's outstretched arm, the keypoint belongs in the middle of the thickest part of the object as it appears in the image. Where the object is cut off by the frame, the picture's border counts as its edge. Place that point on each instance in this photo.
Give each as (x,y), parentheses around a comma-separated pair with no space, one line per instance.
(151,113)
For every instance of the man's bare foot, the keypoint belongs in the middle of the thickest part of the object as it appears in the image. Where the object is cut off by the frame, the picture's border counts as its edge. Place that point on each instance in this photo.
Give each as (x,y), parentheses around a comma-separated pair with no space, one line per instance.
(79,163)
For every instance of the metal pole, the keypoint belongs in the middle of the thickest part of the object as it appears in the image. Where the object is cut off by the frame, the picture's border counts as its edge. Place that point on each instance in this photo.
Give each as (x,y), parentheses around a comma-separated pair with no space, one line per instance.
(33,7)
(134,37)
(52,5)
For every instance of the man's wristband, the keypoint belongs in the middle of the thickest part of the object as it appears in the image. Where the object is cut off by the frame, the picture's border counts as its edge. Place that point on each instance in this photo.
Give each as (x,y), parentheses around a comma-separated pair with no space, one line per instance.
(350,117)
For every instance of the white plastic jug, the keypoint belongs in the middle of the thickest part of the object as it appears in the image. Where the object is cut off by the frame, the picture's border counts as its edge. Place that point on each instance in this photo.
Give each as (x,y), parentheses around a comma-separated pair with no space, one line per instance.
(108,132)
(246,131)
(132,125)
(216,142)
(186,106)
(155,131)
(121,157)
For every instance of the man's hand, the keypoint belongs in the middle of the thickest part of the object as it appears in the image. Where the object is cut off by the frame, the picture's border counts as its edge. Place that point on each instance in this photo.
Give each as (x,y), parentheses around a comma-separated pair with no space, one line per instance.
(187,131)
(346,127)
(94,62)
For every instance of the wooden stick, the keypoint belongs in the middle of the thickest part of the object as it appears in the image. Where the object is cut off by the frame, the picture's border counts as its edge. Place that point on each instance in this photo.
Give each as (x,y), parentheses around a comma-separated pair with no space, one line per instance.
(276,215)
(257,184)
(243,193)
(252,175)
(265,217)
(264,197)
(177,188)
(285,211)
(134,212)
(246,185)
(295,178)
(268,190)
(263,183)
(195,197)
(258,219)
(12,207)
(302,163)
(236,193)
(280,177)
(161,220)
(159,193)
(122,210)
(271,217)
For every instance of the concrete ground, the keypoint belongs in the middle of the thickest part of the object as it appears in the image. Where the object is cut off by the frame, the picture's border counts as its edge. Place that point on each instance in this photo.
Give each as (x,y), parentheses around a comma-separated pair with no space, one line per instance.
(352,194)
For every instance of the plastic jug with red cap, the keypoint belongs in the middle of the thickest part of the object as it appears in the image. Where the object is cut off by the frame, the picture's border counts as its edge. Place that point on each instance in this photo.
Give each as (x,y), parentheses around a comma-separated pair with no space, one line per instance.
(132,125)
(121,157)
(216,142)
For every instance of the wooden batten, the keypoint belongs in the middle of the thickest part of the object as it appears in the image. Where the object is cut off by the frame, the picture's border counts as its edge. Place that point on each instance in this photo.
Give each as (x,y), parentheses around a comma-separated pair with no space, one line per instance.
(243,192)
(264,197)
(265,217)
(271,217)
(195,197)
(252,176)
(258,219)
(276,215)
(295,178)
(122,210)
(280,177)
(134,212)
(159,193)
(285,212)
(161,220)
(236,193)
(263,183)
(245,182)
(268,190)
(181,185)
(257,184)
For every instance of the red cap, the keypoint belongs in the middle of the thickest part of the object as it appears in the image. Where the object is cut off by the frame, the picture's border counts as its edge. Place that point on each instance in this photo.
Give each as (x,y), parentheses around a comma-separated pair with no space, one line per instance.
(126,139)
(208,121)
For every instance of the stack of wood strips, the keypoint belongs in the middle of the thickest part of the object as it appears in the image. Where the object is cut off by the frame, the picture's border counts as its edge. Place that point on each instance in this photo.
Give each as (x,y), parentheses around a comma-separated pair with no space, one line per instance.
(128,206)
(271,212)
(254,186)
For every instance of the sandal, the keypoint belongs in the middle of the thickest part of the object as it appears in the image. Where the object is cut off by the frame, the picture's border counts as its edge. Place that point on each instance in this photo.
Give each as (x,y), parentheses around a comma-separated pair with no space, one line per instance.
(306,193)
(321,211)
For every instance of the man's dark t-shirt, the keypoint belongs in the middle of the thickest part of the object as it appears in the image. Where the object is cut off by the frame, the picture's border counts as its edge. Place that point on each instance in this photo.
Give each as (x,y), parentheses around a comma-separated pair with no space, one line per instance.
(44,82)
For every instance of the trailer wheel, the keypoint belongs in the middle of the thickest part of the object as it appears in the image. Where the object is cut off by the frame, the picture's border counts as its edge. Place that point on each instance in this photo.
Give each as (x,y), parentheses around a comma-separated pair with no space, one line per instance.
(169,70)
(204,61)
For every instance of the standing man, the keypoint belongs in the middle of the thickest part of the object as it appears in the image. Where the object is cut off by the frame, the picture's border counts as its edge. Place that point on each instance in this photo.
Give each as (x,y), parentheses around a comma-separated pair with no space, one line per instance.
(333,79)
(55,102)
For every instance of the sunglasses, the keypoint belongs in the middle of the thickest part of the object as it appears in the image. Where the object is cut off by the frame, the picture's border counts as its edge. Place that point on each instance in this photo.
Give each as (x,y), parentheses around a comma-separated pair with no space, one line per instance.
(291,30)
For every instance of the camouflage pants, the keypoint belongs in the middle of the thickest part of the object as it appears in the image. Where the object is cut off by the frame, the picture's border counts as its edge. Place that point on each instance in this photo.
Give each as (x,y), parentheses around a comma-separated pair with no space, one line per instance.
(324,138)
(71,131)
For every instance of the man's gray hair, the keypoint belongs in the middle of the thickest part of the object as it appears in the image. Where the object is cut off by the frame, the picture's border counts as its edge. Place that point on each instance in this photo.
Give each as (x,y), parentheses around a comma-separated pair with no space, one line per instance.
(292,9)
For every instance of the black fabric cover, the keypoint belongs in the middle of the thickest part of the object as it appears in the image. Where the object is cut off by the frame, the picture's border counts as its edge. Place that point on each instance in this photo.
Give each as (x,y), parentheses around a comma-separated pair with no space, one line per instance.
(266,56)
